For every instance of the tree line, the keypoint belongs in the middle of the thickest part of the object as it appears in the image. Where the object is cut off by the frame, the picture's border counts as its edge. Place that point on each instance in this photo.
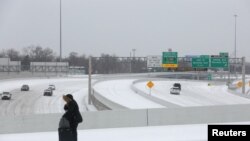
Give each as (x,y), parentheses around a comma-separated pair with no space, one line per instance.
(105,64)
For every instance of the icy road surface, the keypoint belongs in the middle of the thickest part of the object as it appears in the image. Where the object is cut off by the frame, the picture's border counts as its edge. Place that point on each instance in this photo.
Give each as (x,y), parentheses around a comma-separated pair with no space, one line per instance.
(33,101)
(119,91)
(193,93)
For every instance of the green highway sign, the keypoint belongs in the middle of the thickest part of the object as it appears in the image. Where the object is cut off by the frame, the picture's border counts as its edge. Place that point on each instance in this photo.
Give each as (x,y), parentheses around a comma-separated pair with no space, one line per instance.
(215,61)
(200,62)
(170,59)
(219,62)
(224,54)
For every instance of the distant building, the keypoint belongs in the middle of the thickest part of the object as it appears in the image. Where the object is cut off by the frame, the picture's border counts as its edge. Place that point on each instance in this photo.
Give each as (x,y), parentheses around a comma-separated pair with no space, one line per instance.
(6,65)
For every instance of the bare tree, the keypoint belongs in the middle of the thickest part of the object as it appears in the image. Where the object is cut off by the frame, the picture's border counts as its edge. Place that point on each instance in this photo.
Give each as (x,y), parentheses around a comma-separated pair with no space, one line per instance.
(75,60)
(13,54)
(37,53)
(3,54)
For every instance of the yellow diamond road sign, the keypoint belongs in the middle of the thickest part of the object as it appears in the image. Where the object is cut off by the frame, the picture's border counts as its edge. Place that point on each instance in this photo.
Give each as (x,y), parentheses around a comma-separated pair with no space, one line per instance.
(150,84)
(239,84)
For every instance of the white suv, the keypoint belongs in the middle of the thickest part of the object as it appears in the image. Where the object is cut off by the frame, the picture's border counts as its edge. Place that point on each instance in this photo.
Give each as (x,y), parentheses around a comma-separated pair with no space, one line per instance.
(6,96)
(175,90)
(52,87)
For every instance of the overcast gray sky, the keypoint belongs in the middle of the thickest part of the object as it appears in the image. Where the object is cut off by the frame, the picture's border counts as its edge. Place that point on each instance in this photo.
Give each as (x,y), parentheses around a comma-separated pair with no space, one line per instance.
(92,27)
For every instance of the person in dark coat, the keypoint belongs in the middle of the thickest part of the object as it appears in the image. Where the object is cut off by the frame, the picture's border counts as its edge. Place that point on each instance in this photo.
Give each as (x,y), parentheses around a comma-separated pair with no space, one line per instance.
(72,111)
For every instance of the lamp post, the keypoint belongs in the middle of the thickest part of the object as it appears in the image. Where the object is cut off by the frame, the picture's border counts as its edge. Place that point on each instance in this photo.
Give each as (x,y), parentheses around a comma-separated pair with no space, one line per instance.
(131,63)
(235,42)
(133,52)
(90,73)
(60,30)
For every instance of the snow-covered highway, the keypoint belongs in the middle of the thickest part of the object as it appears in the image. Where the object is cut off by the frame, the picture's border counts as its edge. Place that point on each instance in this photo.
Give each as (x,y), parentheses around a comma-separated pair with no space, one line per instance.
(119,91)
(33,101)
(194,93)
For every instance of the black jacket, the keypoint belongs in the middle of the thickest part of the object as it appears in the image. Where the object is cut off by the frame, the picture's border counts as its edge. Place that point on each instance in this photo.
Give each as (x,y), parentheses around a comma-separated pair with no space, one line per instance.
(72,110)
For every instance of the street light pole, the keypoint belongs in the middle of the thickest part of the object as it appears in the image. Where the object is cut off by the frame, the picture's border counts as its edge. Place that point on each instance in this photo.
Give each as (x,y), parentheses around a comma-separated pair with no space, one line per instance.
(130,64)
(235,42)
(90,73)
(133,52)
(60,31)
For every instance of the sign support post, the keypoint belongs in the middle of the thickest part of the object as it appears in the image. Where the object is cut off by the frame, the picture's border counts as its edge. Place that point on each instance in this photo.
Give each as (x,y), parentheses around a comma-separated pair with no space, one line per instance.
(150,85)
(243,75)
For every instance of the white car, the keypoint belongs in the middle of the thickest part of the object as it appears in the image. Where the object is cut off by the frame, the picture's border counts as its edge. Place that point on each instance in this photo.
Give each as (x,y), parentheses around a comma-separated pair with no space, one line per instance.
(175,90)
(52,87)
(6,96)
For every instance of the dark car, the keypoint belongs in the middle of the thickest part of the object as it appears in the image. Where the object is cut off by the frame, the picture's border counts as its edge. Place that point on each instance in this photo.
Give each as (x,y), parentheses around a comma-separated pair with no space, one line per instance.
(6,96)
(48,92)
(25,88)
(177,85)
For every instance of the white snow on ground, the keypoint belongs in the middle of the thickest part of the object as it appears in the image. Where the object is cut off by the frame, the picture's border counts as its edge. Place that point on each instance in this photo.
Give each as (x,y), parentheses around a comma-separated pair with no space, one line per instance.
(193,93)
(33,101)
(157,133)
(192,132)
(119,91)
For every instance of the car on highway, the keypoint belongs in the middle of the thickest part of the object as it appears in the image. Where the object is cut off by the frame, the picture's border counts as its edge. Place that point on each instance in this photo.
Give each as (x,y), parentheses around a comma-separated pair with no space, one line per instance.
(25,87)
(6,96)
(52,87)
(175,90)
(178,85)
(48,92)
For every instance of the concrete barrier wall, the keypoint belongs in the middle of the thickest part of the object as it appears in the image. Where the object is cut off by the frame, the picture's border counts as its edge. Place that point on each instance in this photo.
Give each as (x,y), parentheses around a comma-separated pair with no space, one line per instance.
(14,75)
(108,103)
(130,118)
(114,119)
(29,123)
(91,120)
(199,115)
(100,101)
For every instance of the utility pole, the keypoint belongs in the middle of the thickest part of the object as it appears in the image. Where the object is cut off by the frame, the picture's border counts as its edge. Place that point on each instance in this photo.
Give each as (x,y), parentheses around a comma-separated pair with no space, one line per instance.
(133,61)
(60,31)
(90,71)
(235,43)
(130,65)
(133,52)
